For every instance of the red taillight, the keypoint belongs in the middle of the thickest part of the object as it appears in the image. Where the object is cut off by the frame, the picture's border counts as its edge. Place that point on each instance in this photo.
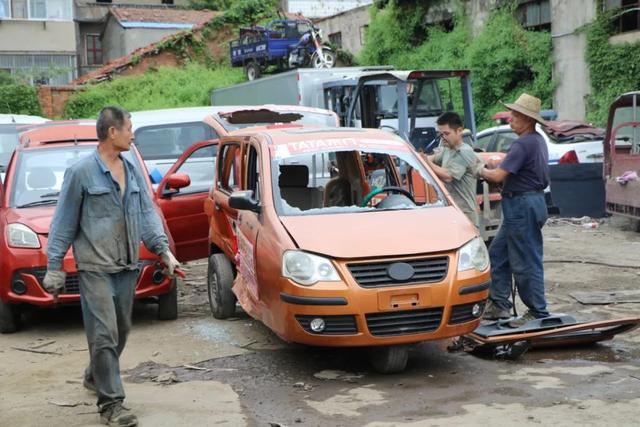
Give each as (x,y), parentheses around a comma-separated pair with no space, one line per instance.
(569,157)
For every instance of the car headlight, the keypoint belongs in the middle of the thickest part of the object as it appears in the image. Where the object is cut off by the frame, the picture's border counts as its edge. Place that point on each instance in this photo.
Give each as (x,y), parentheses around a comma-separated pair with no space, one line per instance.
(307,269)
(21,236)
(473,255)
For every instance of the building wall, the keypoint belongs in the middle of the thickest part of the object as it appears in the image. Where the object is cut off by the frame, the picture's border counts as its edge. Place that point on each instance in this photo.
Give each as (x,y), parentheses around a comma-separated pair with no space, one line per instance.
(112,41)
(569,49)
(321,8)
(134,38)
(37,36)
(350,24)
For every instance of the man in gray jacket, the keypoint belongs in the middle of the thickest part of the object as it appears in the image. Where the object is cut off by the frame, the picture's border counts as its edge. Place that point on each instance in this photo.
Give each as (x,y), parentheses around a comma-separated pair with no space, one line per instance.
(104,211)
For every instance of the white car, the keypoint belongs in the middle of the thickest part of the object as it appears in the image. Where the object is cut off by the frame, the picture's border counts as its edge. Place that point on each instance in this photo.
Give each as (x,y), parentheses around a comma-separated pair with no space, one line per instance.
(567,142)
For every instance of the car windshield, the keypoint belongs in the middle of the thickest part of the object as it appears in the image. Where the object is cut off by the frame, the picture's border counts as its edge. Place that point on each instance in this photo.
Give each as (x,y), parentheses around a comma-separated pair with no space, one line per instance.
(39,173)
(261,117)
(347,180)
(8,142)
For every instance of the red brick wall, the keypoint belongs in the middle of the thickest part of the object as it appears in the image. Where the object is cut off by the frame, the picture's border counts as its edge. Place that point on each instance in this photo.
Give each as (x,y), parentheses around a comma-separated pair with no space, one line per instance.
(53,99)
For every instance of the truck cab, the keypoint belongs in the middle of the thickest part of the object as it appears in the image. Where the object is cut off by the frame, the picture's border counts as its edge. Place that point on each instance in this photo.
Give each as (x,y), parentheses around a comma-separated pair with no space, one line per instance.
(622,157)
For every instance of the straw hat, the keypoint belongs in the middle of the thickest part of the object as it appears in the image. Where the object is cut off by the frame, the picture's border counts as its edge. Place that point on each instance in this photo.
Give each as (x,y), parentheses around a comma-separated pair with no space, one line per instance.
(527,105)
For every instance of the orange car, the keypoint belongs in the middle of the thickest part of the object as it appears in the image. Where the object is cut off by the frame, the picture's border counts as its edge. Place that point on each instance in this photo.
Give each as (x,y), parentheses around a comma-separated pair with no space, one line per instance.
(317,232)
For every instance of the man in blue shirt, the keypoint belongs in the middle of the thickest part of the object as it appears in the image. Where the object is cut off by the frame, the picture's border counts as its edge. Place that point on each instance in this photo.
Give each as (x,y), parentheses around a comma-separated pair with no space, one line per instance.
(516,250)
(105,210)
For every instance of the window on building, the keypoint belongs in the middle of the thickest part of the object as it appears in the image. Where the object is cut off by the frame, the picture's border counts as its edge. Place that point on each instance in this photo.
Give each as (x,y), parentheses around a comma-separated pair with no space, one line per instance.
(535,15)
(629,17)
(103,1)
(5,9)
(169,2)
(59,10)
(363,34)
(93,49)
(18,9)
(336,39)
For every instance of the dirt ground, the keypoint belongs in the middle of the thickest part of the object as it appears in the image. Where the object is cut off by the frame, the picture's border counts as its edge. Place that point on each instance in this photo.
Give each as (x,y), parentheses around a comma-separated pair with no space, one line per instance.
(198,371)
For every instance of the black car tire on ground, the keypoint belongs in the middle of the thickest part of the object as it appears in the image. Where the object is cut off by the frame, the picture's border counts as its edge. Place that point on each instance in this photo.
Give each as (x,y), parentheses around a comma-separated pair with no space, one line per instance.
(252,71)
(168,303)
(389,359)
(219,281)
(9,318)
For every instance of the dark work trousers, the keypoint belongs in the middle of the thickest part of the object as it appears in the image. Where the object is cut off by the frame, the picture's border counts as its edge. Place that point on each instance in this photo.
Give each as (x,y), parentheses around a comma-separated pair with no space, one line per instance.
(107,301)
(516,252)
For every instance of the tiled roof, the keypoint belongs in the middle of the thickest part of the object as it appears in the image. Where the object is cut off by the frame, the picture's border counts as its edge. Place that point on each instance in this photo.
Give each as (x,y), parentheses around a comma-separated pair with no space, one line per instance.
(114,66)
(126,15)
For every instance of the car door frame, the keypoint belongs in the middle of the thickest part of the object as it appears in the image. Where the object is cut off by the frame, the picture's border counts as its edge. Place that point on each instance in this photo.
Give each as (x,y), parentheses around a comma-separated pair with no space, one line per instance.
(180,210)
(222,217)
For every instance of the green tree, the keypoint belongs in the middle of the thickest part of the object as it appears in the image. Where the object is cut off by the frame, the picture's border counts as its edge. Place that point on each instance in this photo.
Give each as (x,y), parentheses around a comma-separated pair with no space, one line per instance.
(17,97)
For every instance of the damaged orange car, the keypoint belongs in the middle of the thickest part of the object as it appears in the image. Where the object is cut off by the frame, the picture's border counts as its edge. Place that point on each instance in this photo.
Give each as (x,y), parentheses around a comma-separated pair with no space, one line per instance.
(341,237)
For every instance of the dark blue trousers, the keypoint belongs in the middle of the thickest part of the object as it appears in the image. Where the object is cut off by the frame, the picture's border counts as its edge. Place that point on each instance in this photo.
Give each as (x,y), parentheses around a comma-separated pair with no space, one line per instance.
(516,253)
(107,303)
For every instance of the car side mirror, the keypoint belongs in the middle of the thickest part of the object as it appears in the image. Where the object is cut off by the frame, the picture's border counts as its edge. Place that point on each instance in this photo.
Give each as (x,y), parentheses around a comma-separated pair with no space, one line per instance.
(242,201)
(177,181)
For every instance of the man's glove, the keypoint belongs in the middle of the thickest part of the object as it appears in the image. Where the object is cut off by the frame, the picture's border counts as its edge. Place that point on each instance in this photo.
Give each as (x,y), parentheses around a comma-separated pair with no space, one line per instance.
(170,262)
(54,282)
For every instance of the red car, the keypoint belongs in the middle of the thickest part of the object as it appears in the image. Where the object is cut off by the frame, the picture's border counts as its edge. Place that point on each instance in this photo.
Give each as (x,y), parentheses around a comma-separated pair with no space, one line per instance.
(28,198)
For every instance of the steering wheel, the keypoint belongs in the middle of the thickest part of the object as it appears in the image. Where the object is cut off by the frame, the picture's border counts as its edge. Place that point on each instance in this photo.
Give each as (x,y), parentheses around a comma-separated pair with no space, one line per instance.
(389,189)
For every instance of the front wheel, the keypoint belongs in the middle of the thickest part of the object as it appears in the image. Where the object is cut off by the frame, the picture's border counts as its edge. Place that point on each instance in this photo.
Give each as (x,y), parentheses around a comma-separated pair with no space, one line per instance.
(389,359)
(252,71)
(219,282)
(329,59)
(9,318)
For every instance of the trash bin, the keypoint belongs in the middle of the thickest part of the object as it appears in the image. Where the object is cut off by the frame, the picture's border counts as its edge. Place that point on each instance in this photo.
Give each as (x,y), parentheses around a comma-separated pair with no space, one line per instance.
(578,189)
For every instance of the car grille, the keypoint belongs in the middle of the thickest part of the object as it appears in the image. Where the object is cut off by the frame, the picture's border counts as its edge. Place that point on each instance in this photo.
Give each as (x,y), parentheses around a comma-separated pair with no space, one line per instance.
(334,325)
(374,275)
(462,313)
(404,322)
(71,284)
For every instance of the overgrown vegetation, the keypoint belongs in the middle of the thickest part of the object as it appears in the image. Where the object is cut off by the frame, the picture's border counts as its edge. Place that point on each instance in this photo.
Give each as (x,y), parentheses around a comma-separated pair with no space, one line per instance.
(169,87)
(166,87)
(17,97)
(504,58)
(613,68)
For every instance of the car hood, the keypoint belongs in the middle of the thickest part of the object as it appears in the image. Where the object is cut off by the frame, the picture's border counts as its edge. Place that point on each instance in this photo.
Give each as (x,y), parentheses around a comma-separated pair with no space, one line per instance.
(37,218)
(381,234)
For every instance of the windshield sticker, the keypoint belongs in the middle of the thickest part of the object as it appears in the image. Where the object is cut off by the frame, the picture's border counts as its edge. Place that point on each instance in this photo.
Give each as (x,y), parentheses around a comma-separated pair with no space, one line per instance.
(337,144)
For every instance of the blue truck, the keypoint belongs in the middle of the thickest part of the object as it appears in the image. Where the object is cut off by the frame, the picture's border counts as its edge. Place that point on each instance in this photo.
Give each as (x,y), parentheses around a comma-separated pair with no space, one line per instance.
(284,44)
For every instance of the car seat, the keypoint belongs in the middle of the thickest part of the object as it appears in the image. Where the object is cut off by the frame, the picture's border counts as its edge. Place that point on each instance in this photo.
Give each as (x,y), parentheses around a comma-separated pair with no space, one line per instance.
(293,182)
(337,192)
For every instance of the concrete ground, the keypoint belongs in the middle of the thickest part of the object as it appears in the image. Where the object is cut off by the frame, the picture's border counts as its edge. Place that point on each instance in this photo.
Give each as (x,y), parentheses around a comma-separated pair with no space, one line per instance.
(198,371)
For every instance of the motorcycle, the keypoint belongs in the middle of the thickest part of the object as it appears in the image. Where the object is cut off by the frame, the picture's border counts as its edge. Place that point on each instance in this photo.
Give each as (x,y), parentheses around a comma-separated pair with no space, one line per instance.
(310,52)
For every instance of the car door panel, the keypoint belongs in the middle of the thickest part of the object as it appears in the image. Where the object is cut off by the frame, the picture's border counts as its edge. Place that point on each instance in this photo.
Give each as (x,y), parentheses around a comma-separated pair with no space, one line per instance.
(184,209)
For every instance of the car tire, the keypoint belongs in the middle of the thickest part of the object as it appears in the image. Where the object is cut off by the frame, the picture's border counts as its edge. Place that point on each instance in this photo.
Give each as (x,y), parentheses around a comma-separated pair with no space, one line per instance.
(219,282)
(252,71)
(9,318)
(389,359)
(168,303)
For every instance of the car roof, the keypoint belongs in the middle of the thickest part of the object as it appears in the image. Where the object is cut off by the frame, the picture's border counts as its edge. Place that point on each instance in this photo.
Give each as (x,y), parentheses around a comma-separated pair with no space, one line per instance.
(21,119)
(193,114)
(75,132)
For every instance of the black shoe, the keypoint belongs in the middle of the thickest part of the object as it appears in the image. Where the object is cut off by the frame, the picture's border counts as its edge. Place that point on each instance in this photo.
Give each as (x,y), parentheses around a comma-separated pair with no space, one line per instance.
(493,312)
(117,415)
(522,320)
